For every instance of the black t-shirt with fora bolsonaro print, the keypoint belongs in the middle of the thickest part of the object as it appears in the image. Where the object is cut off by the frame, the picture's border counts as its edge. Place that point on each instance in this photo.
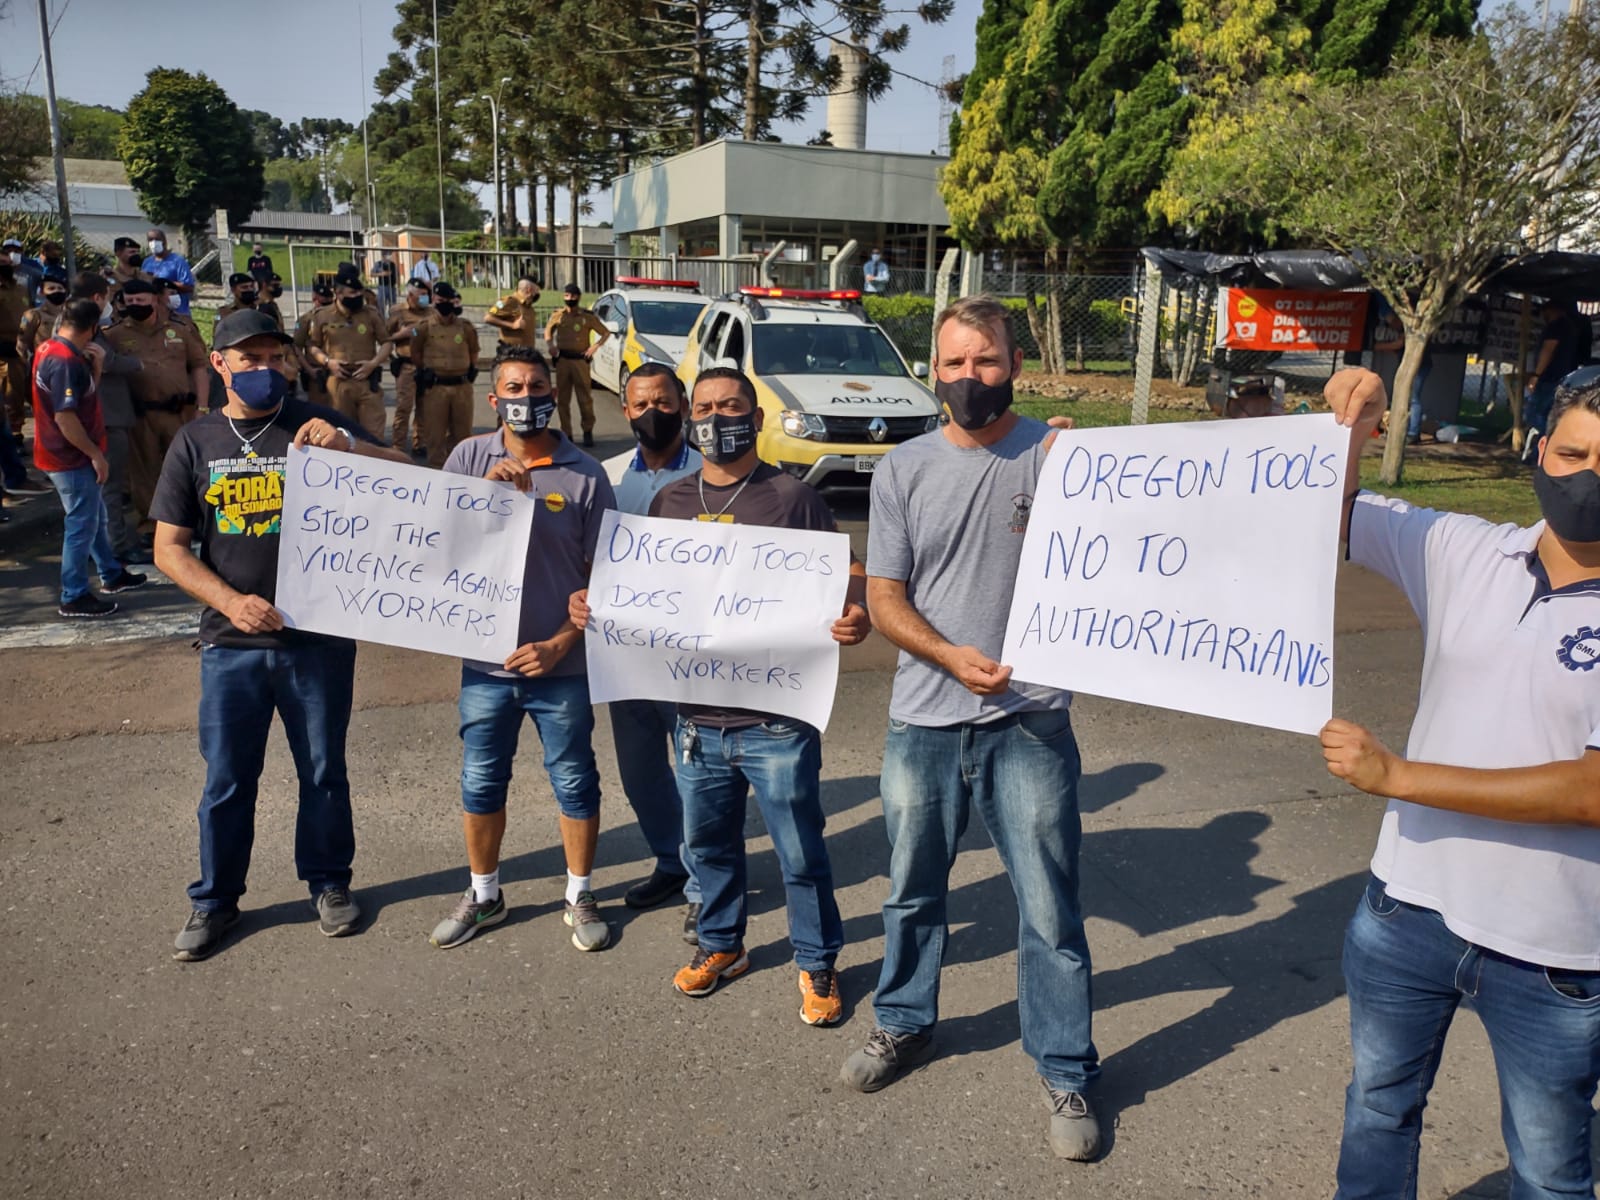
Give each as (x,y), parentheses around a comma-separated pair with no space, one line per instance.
(233,499)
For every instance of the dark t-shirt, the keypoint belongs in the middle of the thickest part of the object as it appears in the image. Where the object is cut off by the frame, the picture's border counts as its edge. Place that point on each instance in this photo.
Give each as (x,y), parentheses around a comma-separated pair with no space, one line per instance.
(769,497)
(260,267)
(63,382)
(1563,331)
(234,503)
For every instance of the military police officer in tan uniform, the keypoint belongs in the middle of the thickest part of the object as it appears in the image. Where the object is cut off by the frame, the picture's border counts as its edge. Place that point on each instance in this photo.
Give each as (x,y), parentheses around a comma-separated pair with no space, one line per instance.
(39,323)
(246,294)
(567,335)
(129,255)
(514,316)
(15,383)
(351,340)
(272,289)
(165,390)
(312,377)
(403,321)
(445,355)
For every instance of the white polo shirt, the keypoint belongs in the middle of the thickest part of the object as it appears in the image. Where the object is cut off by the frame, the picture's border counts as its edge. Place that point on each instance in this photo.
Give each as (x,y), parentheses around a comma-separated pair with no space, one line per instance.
(1510,678)
(636,484)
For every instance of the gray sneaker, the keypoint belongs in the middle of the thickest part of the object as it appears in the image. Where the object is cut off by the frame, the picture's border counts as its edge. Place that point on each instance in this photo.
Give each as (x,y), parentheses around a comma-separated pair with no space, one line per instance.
(467,919)
(884,1058)
(202,933)
(337,911)
(1074,1130)
(589,929)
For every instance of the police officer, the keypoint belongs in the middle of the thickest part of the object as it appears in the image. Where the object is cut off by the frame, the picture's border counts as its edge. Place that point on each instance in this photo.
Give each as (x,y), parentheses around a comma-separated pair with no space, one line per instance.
(268,303)
(513,316)
(312,377)
(350,340)
(445,355)
(39,323)
(567,336)
(403,321)
(166,389)
(129,255)
(14,380)
(246,294)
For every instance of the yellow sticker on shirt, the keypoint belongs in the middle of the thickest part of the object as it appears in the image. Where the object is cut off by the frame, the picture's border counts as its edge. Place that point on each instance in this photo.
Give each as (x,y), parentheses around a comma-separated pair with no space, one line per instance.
(554,501)
(722,518)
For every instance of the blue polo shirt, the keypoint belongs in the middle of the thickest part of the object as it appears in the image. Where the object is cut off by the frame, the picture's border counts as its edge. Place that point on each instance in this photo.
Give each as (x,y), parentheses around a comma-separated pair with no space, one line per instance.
(636,484)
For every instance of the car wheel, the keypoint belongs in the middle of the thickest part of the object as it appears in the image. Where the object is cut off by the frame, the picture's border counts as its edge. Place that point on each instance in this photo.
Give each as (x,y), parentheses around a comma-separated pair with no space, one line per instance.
(623,375)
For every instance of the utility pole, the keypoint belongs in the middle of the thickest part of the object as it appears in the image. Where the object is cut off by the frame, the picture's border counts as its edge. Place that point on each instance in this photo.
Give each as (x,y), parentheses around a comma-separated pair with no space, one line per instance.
(55,142)
(366,146)
(438,128)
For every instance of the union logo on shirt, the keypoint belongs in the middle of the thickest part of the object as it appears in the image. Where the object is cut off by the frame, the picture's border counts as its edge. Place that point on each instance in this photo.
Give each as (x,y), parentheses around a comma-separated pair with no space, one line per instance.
(1579,651)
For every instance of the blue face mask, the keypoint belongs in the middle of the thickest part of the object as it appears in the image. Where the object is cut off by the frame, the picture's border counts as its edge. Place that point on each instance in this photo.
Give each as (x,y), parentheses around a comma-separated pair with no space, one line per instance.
(260,389)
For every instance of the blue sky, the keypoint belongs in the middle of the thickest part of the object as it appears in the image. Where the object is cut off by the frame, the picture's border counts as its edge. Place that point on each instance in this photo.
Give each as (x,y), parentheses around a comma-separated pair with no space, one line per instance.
(302,58)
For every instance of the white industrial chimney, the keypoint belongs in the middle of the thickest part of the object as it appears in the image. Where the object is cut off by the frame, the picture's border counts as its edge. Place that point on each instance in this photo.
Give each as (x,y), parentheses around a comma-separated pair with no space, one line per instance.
(847,107)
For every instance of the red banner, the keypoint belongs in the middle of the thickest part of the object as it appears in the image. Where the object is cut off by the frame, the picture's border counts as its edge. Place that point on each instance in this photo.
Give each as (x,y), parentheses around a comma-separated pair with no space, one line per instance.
(1274,319)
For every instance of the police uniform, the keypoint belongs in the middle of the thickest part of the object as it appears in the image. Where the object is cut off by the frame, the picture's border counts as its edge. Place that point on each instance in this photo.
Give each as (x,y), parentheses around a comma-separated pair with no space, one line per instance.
(37,325)
(13,371)
(169,350)
(352,338)
(403,321)
(312,377)
(445,355)
(510,308)
(568,337)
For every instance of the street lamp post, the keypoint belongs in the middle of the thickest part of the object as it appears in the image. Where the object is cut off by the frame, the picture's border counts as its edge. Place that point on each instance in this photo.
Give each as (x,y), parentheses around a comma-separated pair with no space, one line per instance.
(494,120)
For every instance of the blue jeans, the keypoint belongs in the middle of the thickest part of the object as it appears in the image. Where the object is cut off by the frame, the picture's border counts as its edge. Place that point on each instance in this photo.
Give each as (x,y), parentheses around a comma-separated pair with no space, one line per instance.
(1021,774)
(309,686)
(642,731)
(782,761)
(1406,973)
(492,708)
(85,533)
(1414,417)
(1536,409)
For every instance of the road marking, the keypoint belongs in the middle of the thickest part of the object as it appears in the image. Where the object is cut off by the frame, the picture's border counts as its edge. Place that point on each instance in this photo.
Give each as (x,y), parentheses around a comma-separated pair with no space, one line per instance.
(99,631)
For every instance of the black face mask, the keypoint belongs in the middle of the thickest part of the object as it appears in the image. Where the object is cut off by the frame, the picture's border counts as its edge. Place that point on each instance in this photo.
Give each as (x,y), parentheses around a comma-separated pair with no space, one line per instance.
(572,302)
(445,309)
(352,303)
(1570,504)
(247,298)
(138,312)
(656,430)
(722,438)
(274,291)
(55,297)
(527,415)
(971,403)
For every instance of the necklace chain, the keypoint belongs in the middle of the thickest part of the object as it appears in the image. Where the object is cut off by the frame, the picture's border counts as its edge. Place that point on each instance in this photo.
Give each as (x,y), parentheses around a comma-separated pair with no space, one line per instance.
(247,444)
(743,483)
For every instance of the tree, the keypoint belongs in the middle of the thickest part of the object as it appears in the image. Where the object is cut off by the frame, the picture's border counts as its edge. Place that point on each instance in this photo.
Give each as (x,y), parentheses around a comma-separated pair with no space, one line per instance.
(88,130)
(24,141)
(189,151)
(1431,175)
(296,185)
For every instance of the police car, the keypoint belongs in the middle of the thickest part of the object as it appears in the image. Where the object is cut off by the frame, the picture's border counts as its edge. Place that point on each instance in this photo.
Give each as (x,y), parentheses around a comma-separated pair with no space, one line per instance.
(649,320)
(836,392)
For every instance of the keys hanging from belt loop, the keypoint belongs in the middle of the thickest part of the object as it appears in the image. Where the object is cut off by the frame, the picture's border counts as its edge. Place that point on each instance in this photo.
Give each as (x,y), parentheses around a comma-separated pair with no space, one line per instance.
(690,737)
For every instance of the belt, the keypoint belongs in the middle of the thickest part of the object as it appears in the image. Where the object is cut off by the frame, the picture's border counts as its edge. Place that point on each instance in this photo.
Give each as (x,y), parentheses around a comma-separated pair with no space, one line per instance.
(171,404)
(571,354)
(450,380)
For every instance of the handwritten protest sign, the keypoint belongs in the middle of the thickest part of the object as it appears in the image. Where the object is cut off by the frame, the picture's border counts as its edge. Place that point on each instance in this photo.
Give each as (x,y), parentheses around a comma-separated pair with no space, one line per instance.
(733,616)
(1282,319)
(391,553)
(1187,566)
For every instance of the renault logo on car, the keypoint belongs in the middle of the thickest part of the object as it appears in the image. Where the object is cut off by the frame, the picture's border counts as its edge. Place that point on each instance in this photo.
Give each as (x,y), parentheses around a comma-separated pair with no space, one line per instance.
(877,429)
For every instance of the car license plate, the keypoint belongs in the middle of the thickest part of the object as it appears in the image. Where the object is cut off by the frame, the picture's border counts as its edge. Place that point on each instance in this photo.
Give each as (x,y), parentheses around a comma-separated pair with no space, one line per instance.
(865,463)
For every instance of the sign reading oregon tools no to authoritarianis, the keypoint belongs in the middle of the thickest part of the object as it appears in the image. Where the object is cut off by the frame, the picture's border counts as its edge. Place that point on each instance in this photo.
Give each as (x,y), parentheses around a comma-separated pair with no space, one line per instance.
(1187,566)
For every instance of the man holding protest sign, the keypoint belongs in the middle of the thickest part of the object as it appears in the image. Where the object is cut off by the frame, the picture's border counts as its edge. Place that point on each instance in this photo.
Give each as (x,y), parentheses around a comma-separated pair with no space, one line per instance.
(1485,883)
(223,482)
(542,679)
(724,752)
(655,405)
(949,510)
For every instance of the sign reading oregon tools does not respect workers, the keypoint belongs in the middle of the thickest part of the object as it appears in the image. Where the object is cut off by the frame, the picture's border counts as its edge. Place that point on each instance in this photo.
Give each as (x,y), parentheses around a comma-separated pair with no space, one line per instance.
(386,552)
(728,616)
(1187,566)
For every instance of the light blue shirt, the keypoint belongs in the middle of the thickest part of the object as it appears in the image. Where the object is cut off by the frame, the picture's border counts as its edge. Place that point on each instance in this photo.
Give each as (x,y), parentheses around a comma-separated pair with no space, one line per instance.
(173,266)
(636,485)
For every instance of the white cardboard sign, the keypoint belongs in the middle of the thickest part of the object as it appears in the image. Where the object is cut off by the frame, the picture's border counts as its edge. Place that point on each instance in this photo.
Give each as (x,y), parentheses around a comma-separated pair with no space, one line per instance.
(392,553)
(1187,566)
(734,616)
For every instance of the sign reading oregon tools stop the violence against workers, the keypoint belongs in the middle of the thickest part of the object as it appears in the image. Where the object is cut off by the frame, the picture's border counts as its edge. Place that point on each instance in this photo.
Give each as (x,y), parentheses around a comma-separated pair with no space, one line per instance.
(385,552)
(1187,566)
(726,616)
(1276,319)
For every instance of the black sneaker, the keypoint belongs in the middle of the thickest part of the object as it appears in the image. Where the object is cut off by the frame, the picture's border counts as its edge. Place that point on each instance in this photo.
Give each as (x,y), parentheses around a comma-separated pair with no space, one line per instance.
(202,933)
(87,605)
(588,440)
(337,911)
(657,889)
(691,924)
(884,1058)
(123,581)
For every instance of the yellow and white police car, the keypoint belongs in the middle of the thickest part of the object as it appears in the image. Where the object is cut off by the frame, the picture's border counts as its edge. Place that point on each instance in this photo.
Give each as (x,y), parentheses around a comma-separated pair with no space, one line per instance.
(649,320)
(836,392)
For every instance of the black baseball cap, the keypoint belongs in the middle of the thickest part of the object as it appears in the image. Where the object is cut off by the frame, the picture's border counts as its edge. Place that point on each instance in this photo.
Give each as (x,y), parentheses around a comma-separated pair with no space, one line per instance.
(325,290)
(242,326)
(239,277)
(444,291)
(125,243)
(139,287)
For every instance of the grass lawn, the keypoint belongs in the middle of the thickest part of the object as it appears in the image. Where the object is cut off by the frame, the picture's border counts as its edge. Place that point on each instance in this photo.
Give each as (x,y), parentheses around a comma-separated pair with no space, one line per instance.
(1488,483)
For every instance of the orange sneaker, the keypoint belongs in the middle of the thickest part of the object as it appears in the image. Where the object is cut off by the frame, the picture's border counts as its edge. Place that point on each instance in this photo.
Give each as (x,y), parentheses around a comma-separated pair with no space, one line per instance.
(819,997)
(708,968)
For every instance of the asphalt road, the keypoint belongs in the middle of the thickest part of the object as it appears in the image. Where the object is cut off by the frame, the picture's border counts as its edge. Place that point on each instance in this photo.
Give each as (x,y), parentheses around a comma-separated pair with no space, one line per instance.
(1219,864)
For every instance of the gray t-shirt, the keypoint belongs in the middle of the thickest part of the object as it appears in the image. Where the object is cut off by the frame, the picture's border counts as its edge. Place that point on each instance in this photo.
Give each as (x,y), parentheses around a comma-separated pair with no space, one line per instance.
(949,522)
(571,491)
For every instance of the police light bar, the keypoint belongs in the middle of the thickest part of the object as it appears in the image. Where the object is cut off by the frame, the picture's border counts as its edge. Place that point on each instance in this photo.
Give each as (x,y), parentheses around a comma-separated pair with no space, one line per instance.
(777,293)
(688,285)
